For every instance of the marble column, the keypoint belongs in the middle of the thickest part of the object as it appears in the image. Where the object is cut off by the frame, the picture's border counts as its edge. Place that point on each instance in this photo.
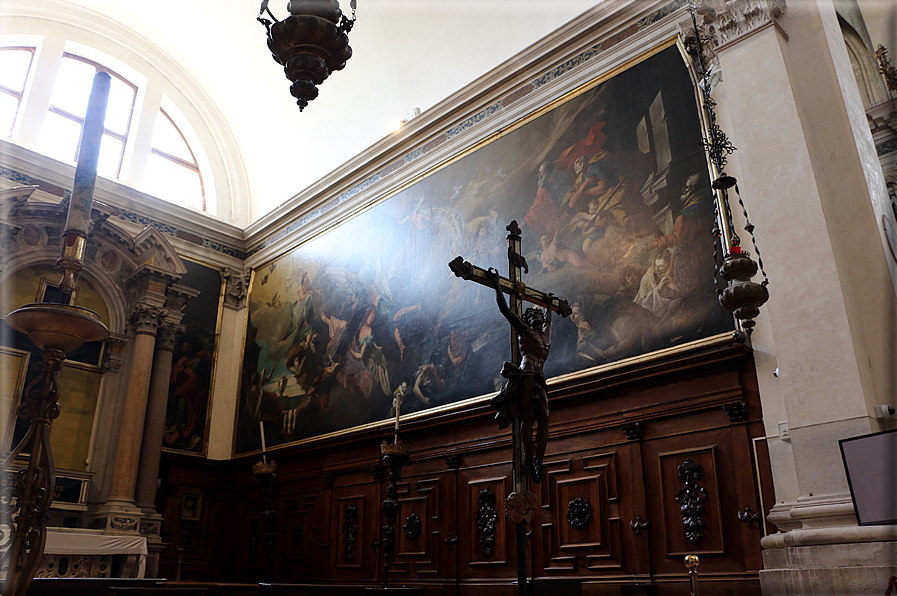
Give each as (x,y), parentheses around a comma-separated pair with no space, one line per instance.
(151,450)
(154,425)
(120,514)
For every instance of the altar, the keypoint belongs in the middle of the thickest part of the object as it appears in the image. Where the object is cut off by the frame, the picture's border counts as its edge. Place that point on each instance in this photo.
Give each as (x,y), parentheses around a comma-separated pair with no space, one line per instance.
(74,552)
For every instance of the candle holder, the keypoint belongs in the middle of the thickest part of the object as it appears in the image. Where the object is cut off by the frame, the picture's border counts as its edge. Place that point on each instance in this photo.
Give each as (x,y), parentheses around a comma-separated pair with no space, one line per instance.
(395,455)
(265,473)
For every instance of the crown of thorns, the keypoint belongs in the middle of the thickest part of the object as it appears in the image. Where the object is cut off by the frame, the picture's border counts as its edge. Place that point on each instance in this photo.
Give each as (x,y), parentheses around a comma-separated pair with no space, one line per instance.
(533,313)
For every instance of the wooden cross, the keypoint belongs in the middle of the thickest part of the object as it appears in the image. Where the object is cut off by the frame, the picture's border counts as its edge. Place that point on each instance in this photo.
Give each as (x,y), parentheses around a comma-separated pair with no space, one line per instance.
(518,293)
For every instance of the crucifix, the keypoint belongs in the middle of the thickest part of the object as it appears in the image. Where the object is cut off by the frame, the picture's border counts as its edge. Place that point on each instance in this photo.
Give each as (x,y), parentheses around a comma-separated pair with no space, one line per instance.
(524,398)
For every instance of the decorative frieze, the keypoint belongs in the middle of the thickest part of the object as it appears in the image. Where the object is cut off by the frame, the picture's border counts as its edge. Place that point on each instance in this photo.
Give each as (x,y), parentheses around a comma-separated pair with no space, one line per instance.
(724,21)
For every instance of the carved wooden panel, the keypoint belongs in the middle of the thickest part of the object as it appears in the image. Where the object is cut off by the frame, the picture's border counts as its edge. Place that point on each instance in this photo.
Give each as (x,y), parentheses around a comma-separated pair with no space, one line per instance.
(355,521)
(485,533)
(691,501)
(419,526)
(302,528)
(581,526)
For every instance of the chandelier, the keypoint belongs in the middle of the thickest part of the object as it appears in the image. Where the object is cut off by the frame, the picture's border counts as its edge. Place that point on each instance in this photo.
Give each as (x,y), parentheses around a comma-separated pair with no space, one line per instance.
(310,44)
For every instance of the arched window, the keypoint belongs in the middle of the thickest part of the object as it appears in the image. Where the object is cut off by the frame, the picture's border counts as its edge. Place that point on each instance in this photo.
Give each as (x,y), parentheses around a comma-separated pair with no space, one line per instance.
(173,172)
(15,65)
(61,134)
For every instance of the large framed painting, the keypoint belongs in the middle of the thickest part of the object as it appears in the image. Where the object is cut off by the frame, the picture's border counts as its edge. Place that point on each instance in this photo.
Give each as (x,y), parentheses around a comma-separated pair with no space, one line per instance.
(609,185)
(193,362)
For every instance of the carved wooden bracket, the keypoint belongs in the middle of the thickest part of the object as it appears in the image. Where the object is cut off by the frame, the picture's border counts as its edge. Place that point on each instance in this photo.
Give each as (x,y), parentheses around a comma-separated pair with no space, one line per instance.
(749,517)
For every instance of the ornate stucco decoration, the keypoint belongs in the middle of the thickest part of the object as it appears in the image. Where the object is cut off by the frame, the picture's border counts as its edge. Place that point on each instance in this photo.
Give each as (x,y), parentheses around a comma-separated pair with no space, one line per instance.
(724,21)
(236,287)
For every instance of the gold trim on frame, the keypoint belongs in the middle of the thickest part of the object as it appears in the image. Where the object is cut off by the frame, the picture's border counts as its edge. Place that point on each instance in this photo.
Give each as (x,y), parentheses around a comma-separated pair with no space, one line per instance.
(720,339)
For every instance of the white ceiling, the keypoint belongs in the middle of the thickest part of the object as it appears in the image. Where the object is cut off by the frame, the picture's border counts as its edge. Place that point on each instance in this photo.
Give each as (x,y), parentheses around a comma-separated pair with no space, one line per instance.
(407,54)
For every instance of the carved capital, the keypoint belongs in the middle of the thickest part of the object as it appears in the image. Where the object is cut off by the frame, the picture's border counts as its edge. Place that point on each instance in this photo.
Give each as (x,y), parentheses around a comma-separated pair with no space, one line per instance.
(115,349)
(166,335)
(236,287)
(724,21)
(145,319)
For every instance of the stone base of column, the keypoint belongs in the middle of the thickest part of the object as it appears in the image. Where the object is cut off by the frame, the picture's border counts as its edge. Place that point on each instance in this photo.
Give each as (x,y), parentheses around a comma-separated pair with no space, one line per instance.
(151,529)
(830,561)
(117,517)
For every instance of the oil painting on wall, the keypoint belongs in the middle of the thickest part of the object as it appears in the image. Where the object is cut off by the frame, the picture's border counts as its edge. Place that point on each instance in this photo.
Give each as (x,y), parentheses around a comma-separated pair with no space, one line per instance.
(192,362)
(610,189)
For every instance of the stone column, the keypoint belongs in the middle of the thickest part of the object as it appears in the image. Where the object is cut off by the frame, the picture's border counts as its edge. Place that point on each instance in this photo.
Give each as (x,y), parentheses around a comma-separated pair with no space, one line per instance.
(151,450)
(120,514)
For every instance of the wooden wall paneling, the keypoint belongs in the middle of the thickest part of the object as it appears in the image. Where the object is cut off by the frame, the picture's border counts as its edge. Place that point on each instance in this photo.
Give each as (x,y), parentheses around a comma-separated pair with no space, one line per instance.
(352,527)
(303,528)
(690,495)
(486,539)
(637,523)
(420,531)
(583,502)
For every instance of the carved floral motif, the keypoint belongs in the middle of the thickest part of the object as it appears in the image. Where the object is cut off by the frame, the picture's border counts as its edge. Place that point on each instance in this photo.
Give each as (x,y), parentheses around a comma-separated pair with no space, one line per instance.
(579,512)
(350,530)
(690,497)
(412,527)
(486,518)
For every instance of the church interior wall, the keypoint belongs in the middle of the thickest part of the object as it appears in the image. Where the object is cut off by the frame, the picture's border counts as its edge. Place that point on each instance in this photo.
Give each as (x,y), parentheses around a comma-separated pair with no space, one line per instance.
(820,360)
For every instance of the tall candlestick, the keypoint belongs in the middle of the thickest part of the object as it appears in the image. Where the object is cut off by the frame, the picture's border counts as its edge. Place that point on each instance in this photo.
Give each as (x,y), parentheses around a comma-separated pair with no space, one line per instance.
(398,408)
(262,432)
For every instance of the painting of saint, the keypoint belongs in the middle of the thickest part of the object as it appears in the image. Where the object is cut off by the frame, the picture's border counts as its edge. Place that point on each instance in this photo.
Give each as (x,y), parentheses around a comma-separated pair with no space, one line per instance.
(611,191)
(193,362)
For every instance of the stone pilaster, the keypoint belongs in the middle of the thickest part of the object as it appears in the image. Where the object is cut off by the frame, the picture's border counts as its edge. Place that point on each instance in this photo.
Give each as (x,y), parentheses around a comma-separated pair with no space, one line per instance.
(793,111)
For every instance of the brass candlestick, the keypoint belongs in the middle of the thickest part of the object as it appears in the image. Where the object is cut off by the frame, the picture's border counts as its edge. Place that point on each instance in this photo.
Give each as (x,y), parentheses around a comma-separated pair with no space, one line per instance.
(395,456)
(55,329)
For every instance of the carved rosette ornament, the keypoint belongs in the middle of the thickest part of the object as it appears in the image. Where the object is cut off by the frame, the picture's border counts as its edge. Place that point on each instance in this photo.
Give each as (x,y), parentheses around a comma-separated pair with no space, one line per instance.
(486,518)
(412,527)
(579,512)
(145,319)
(690,498)
(236,287)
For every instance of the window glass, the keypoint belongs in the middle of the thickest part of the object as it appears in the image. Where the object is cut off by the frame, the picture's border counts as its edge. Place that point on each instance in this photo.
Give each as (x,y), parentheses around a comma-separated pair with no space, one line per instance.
(121,104)
(9,105)
(173,182)
(167,138)
(14,66)
(72,88)
(59,138)
(110,156)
